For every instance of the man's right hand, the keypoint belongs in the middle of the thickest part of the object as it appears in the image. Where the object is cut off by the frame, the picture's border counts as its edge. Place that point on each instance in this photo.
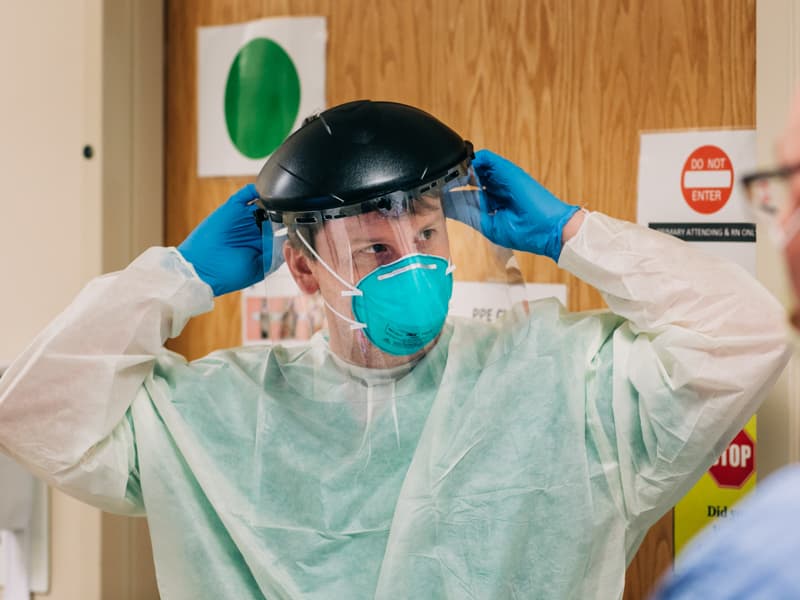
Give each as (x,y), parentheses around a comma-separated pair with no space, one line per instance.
(226,248)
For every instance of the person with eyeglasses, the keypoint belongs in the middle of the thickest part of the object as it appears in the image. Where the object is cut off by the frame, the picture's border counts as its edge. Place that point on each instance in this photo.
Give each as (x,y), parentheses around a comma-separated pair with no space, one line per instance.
(753,553)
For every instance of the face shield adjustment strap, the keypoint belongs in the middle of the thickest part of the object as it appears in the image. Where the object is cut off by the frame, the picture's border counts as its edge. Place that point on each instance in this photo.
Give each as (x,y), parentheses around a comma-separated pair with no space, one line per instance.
(260,215)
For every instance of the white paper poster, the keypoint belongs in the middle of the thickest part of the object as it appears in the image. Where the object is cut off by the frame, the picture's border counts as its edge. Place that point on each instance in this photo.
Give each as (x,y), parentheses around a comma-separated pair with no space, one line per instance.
(689,187)
(257,81)
(276,310)
(490,301)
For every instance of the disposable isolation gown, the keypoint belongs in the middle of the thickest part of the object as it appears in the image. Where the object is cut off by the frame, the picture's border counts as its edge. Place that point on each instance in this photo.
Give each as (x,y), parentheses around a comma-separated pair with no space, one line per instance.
(524,459)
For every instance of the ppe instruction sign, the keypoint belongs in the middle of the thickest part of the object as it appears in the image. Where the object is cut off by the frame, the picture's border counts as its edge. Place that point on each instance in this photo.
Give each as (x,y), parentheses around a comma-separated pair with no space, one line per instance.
(689,188)
(490,301)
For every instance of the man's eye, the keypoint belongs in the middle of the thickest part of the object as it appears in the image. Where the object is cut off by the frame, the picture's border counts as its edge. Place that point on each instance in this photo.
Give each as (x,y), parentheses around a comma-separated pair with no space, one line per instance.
(376,249)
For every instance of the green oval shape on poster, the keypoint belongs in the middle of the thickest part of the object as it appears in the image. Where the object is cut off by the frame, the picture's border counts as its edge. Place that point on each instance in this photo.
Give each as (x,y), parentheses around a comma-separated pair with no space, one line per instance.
(262,97)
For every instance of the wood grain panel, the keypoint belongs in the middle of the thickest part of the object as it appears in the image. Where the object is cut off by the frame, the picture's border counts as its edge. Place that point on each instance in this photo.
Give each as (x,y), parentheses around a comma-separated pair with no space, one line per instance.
(563,88)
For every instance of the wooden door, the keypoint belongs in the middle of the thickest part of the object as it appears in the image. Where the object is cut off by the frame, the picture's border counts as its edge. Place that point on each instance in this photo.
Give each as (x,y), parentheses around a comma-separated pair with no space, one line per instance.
(562,87)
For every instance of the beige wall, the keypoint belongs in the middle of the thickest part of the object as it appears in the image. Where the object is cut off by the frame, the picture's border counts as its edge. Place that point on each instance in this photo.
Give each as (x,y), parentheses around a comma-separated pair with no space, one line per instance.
(49,215)
(78,72)
(48,242)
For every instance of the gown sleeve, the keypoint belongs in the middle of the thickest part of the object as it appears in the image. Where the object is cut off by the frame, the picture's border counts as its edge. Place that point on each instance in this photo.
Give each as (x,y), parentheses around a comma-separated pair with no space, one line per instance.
(64,401)
(702,344)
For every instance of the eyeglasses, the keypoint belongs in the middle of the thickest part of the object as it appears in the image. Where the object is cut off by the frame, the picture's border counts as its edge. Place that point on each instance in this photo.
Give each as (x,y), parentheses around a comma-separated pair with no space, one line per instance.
(770,199)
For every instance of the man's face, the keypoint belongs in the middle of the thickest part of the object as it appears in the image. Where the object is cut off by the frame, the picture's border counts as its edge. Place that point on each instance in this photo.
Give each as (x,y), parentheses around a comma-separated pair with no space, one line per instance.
(353,247)
(788,151)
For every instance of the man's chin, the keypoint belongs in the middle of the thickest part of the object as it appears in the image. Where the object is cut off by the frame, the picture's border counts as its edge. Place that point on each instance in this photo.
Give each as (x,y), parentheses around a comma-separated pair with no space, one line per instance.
(384,359)
(358,350)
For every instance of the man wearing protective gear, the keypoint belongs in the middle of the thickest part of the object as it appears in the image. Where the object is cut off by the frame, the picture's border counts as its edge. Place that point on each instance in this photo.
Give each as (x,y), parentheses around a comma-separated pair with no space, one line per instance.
(399,454)
(753,553)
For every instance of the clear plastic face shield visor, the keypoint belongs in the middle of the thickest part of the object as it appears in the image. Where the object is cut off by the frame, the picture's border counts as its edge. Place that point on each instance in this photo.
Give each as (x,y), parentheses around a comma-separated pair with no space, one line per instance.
(382,266)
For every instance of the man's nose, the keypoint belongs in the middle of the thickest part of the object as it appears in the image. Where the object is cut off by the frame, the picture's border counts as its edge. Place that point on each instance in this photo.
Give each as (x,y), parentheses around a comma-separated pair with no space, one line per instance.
(407,237)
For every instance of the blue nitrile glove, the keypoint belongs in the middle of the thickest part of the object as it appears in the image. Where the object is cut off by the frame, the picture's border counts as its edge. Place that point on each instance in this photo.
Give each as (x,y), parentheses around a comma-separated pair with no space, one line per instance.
(516,211)
(226,248)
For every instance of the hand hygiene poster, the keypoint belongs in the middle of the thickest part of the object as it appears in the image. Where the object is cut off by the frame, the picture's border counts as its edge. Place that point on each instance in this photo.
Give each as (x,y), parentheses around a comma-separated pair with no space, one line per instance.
(689,187)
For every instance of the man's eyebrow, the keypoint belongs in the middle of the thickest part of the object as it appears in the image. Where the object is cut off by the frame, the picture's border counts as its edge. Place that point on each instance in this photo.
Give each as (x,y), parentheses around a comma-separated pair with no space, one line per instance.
(357,241)
(366,237)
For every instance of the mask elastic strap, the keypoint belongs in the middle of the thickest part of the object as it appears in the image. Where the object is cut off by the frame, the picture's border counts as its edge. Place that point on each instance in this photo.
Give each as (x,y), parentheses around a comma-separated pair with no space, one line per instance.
(417,265)
(352,290)
(353,324)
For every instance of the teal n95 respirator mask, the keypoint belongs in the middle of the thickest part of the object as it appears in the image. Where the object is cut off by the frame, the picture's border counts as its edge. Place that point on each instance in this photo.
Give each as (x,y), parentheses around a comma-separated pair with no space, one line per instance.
(400,306)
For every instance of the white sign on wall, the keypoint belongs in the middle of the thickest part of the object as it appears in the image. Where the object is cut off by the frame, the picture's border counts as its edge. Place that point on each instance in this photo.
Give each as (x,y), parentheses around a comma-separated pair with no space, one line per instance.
(257,81)
(689,187)
(490,301)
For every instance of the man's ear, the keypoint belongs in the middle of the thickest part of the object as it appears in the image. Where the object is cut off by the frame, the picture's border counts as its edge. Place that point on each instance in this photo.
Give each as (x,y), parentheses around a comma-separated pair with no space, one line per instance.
(300,268)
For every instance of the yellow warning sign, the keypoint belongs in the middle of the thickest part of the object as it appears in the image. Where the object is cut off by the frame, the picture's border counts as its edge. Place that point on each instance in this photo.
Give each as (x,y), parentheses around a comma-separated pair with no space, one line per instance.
(728,480)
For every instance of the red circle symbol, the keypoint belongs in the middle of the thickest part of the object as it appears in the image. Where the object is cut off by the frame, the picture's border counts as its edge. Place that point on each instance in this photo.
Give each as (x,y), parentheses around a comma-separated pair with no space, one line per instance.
(734,466)
(707,179)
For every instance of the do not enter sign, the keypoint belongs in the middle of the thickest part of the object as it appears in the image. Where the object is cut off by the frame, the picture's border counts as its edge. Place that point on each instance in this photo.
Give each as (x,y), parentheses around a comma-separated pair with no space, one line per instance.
(707,179)
(734,467)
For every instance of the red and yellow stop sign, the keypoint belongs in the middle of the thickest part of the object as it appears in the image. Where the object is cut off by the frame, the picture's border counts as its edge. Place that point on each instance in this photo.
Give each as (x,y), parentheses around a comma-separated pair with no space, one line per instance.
(736,464)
